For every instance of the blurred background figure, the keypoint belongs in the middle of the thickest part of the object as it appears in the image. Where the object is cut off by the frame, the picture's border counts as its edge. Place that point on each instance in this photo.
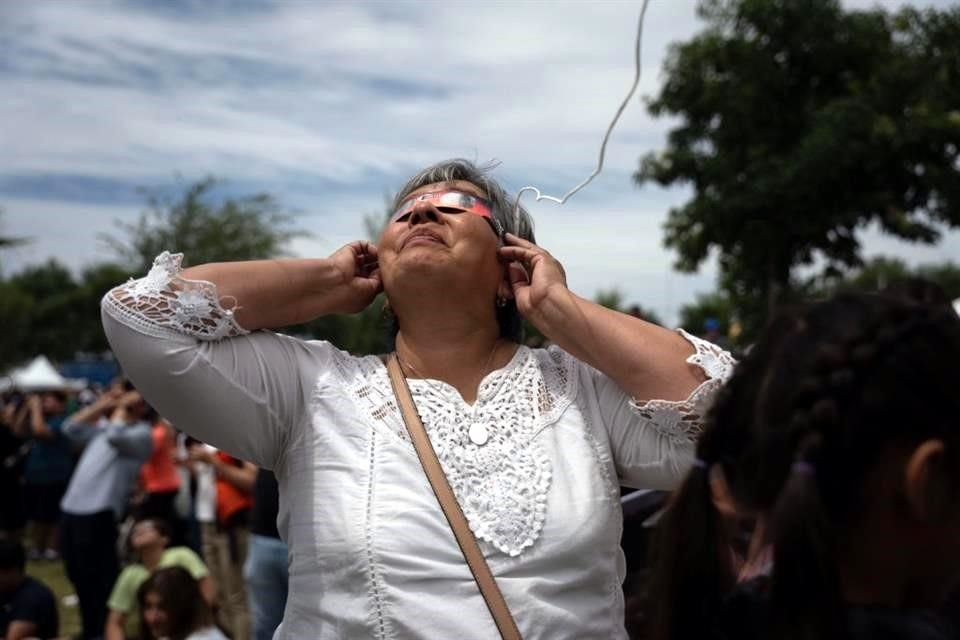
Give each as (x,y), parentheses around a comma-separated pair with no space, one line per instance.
(48,468)
(114,434)
(171,608)
(225,540)
(266,568)
(150,540)
(160,481)
(13,453)
(27,606)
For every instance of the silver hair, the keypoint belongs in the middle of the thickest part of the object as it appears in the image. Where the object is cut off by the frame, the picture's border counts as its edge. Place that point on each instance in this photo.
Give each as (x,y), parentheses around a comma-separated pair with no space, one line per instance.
(508,318)
(461,169)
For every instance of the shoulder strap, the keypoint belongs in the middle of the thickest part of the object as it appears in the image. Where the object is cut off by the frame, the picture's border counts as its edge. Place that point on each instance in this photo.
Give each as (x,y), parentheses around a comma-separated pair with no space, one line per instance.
(451,508)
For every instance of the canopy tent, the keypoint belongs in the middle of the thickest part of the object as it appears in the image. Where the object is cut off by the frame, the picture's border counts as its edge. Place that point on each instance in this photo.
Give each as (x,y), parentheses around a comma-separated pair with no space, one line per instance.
(39,375)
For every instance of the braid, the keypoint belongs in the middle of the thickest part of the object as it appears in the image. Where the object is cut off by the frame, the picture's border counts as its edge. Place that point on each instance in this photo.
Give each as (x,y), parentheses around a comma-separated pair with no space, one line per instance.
(833,401)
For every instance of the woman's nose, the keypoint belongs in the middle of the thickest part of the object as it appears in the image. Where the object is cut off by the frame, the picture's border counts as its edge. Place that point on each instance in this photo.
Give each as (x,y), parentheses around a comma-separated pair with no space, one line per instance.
(424,211)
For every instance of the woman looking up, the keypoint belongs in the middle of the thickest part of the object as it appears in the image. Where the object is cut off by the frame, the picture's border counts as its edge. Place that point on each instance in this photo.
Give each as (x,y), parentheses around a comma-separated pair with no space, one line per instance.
(533,441)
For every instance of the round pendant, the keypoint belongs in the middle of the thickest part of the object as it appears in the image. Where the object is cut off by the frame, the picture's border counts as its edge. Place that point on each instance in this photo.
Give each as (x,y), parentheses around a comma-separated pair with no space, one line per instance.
(479,434)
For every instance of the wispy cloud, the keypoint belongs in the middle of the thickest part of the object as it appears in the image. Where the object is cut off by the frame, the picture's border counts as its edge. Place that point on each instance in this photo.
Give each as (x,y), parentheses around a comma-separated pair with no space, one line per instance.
(329,104)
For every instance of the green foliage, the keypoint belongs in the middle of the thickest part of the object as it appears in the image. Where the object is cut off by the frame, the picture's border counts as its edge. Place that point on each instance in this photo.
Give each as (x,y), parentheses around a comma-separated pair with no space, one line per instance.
(363,333)
(244,228)
(46,310)
(945,275)
(95,282)
(15,326)
(882,273)
(613,299)
(716,306)
(54,309)
(800,124)
(609,298)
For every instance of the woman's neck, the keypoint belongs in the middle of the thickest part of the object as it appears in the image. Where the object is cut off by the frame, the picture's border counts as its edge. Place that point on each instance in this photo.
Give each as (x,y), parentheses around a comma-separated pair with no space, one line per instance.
(458,356)
(150,558)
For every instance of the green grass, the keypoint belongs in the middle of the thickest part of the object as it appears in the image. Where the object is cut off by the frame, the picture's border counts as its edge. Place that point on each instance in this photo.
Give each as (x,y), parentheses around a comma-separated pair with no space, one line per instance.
(52,574)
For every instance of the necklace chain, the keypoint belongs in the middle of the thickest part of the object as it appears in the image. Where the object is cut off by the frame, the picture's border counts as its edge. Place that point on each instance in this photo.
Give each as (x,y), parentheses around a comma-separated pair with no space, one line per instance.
(486,367)
(478,433)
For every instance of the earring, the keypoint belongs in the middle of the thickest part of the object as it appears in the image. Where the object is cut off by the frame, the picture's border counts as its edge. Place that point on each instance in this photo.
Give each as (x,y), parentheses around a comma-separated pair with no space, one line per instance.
(501,302)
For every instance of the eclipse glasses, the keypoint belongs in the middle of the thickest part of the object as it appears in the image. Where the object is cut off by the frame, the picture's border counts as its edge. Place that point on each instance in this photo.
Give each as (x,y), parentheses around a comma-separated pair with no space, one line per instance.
(450,202)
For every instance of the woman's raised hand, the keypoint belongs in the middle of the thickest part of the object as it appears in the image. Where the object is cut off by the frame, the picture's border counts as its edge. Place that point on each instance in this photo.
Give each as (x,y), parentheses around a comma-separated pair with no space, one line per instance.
(357,265)
(541,275)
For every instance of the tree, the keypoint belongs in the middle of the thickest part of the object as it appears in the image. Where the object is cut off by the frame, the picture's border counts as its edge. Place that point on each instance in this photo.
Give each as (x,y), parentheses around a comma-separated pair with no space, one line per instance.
(95,282)
(883,272)
(800,124)
(50,299)
(366,332)
(15,325)
(7,242)
(609,298)
(244,228)
(716,307)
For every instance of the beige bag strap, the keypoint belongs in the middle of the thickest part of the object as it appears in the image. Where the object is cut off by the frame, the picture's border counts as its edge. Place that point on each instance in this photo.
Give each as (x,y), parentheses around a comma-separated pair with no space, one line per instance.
(448,503)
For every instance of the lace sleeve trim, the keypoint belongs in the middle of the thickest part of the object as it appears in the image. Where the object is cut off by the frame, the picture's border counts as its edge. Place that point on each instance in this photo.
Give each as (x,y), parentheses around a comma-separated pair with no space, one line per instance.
(164,304)
(682,420)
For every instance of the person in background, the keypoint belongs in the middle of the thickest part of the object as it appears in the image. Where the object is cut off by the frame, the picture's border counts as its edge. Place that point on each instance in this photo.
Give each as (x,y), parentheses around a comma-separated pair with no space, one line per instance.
(13,453)
(48,469)
(150,539)
(171,608)
(161,481)
(202,519)
(838,429)
(28,608)
(266,568)
(114,449)
(225,543)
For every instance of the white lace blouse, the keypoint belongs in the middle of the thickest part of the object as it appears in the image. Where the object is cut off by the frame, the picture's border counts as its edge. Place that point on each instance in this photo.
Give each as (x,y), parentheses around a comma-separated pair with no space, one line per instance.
(371,555)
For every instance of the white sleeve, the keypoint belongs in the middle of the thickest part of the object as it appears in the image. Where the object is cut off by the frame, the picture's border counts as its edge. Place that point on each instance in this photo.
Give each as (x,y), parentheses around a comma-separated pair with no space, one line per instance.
(241,392)
(653,441)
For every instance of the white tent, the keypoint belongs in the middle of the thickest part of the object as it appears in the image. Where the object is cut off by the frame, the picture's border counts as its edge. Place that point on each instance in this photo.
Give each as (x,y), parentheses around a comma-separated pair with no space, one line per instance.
(956,306)
(39,375)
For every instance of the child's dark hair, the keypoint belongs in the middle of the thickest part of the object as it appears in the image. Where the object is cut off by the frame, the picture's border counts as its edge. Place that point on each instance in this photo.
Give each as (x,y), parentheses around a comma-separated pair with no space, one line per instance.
(12,555)
(180,598)
(822,394)
(162,526)
(692,568)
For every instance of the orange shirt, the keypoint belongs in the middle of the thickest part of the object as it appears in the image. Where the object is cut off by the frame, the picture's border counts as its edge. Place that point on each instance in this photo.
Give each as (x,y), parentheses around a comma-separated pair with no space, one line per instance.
(159,473)
(230,499)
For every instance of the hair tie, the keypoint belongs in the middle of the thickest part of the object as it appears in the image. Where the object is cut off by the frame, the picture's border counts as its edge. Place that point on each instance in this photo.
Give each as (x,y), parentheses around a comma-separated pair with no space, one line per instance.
(803,468)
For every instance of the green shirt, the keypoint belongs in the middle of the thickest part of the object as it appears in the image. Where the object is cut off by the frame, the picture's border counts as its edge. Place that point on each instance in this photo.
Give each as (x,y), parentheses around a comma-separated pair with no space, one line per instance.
(123,598)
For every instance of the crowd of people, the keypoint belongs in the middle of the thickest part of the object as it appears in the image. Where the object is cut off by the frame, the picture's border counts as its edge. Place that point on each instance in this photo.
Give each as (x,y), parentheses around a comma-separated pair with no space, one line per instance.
(814,485)
(99,481)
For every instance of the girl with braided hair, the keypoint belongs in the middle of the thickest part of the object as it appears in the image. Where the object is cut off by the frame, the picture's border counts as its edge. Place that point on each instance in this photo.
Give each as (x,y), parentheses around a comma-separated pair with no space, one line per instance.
(839,429)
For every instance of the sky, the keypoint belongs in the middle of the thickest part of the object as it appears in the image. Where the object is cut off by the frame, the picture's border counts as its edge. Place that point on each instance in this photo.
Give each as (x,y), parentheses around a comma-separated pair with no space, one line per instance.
(330,105)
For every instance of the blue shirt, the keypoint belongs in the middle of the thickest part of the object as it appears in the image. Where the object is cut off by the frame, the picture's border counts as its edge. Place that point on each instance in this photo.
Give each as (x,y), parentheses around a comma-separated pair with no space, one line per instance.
(50,461)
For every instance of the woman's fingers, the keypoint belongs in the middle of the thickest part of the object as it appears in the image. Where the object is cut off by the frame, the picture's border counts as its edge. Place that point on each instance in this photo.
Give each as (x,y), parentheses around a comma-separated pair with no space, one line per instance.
(537,262)
(518,241)
(519,254)
(517,274)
